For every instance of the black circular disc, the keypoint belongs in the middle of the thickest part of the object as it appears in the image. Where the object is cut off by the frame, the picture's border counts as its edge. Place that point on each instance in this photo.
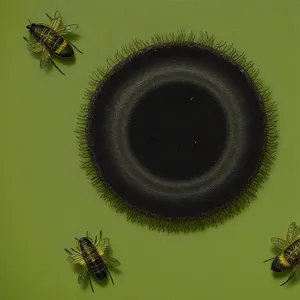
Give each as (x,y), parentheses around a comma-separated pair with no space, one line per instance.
(178,131)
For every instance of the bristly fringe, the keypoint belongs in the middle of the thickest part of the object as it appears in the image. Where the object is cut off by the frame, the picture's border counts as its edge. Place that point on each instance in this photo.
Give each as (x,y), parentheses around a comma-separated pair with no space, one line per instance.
(249,192)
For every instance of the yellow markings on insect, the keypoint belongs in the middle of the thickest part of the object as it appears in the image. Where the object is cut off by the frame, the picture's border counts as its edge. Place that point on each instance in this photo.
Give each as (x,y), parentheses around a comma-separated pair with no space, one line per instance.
(283,261)
(100,251)
(81,261)
(61,47)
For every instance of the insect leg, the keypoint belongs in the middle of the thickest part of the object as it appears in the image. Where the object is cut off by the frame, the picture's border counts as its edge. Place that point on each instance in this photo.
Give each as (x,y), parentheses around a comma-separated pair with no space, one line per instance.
(75,250)
(54,22)
(75,47)
(109,274)
(288,279)
(56,66)
(268,259)
(90,282)
(76,239)
(50,18)
(95,243)
(68,251)
(100,234)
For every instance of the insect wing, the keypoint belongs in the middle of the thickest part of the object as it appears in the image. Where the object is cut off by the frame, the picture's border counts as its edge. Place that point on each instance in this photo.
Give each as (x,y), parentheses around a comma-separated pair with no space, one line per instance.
(76,258)
(82,275)
(279,243)
(44,58)
(110,261)
(55,22)
(291,234)
(67,29)
(34,46)
(103,245)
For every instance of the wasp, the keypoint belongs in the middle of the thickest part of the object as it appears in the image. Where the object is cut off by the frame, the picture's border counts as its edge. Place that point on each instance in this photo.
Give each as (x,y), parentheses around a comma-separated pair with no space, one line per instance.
(289,256)
(93,258)
(50,40)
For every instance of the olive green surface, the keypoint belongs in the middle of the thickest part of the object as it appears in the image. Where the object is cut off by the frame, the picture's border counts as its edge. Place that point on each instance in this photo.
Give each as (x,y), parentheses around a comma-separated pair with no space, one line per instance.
(46,200)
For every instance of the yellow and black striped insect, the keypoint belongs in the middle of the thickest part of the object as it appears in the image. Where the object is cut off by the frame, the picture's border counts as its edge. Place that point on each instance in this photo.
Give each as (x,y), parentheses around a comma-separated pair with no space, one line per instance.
(289,257)
(50,40)
(93,258)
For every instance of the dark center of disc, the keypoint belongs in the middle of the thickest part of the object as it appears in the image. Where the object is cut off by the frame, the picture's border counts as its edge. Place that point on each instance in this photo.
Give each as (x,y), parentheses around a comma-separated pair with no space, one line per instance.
(178,131)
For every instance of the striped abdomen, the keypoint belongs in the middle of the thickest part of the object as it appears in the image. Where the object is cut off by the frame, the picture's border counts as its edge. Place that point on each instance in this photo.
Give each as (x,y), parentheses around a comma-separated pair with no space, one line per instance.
(92,259)
(288,258)
(55,43)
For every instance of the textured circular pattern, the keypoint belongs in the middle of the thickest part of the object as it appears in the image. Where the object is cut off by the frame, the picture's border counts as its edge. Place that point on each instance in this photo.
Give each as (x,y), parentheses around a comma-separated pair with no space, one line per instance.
(178,130)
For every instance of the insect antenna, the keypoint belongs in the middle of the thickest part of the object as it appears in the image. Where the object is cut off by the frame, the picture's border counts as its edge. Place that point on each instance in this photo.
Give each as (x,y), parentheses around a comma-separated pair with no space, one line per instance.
(87,235)
(109,275)
(288,279)
(91,283)
(56,66)
(268,259)
(29,21)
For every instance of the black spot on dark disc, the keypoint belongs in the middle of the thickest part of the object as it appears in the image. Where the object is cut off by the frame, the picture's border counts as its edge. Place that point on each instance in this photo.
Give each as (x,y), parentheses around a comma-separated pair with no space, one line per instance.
(179,131)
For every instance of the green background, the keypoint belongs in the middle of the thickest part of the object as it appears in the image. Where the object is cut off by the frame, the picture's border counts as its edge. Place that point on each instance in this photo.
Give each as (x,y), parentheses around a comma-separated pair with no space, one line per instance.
(46,199)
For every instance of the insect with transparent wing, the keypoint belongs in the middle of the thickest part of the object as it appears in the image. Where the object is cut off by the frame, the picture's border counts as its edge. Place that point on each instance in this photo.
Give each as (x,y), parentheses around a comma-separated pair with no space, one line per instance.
(49,40)
(289,256)
(93,258)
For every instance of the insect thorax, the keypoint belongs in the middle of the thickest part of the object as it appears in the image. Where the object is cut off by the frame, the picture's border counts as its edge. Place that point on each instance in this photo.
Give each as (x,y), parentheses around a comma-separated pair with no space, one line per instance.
(42,33)
(54,42)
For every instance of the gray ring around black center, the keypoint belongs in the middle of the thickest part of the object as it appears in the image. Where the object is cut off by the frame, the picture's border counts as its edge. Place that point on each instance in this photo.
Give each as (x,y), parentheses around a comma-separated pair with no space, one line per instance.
(196,197)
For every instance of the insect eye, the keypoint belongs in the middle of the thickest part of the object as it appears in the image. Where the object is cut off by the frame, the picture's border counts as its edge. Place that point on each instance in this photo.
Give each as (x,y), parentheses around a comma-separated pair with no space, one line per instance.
(28,27)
